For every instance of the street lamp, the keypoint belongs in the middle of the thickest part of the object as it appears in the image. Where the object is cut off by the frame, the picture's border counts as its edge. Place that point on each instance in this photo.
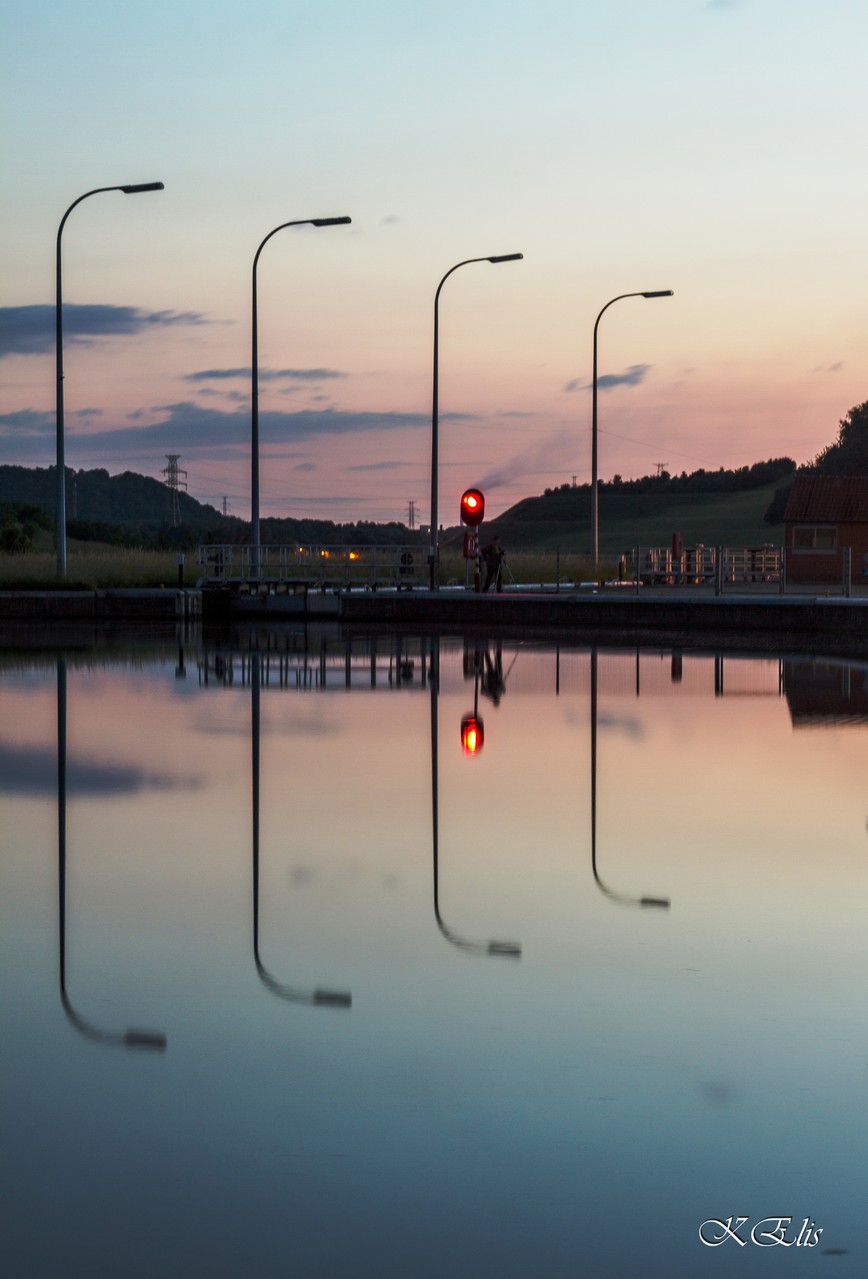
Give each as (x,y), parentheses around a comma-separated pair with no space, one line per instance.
(134,188)
(254,383)
(435,420)
(595,530)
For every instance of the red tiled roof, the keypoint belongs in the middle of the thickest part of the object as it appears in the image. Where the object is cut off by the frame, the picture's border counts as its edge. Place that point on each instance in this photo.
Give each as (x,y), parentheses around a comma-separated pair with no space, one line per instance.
(833,499)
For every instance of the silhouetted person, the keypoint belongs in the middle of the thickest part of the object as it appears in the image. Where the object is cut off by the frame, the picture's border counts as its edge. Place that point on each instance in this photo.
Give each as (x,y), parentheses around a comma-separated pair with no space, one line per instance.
(493,555)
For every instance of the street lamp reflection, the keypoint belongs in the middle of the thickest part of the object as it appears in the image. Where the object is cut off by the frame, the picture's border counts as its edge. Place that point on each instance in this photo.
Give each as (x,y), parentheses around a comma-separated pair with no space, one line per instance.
(131,1038)
(509,949)
(623,899)
(319,997)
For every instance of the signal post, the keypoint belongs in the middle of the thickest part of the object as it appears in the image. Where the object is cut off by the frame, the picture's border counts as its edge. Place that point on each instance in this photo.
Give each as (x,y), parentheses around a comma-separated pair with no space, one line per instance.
(472,511)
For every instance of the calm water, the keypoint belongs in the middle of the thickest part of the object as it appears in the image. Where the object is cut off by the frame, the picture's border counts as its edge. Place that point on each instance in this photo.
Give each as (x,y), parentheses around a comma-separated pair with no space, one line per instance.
(295,983)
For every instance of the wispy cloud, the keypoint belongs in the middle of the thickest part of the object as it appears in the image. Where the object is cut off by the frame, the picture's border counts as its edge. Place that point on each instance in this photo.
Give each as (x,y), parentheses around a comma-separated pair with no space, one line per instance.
(30,330)
(553,452)
(379,466)
(26,422)
(630,377)
(829,368)
(265,375)
(206,430)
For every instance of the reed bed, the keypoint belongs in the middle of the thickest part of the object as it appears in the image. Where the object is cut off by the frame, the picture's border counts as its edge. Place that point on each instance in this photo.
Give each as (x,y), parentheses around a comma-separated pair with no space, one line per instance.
(532,568)
(93,567)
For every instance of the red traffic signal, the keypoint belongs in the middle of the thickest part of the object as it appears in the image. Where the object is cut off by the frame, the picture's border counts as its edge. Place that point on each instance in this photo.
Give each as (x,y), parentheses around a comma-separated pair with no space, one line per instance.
(472,507)
(472,734)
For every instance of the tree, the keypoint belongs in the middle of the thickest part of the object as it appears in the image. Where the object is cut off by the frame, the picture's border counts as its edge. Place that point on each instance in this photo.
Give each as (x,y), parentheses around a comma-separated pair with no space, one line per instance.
(849,454)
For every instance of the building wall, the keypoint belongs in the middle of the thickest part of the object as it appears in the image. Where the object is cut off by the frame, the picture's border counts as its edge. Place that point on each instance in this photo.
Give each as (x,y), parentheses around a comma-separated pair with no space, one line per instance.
(827,566)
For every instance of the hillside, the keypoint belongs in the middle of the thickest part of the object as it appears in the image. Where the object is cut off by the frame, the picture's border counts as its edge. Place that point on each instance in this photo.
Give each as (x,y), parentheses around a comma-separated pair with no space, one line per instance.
(702,508)
(625,519)
(130,501)
(141,509)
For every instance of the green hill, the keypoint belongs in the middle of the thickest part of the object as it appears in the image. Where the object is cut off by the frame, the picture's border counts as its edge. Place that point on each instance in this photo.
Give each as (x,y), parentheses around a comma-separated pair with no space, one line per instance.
(649,519)
(716,508)
(130,501)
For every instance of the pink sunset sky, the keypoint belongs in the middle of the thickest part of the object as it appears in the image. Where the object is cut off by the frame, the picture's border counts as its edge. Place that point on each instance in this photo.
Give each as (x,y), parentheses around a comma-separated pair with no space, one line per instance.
(714,149)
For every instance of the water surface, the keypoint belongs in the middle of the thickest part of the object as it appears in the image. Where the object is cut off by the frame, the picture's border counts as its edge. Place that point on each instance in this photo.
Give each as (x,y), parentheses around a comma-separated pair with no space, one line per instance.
(431,957)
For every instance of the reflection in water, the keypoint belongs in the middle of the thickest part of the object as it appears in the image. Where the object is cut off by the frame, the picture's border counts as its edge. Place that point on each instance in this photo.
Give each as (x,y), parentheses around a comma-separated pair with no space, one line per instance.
(825,693)
(509,949)
(623,898)
(129,1038)
(318,996)
(582,1111)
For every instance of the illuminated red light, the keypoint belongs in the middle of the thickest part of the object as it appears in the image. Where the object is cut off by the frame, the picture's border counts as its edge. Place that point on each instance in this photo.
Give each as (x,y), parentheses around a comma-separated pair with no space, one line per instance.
(472,735)
(472,507)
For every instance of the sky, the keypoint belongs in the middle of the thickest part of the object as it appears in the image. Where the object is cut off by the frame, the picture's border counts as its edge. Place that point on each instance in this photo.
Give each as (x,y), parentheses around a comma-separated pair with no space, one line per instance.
(711,147)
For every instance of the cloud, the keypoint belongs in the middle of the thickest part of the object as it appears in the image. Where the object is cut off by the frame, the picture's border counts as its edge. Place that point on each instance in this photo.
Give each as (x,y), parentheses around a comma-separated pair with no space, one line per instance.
(630,377)
(379,466)
(265,375)
(195,429)
(27,422)
(829,368)
(30,330)
(550,454)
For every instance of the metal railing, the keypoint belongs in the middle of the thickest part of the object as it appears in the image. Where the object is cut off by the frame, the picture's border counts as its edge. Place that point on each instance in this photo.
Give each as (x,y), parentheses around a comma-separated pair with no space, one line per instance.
(313,567)
(716,566)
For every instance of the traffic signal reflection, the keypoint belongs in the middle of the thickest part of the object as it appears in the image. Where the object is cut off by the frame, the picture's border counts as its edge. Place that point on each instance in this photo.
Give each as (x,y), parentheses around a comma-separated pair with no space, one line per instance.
(472,734)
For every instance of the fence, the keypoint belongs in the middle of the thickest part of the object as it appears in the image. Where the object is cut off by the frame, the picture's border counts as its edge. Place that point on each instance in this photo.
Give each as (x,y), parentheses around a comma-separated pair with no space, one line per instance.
(312,567)
(698,565)
(723,567)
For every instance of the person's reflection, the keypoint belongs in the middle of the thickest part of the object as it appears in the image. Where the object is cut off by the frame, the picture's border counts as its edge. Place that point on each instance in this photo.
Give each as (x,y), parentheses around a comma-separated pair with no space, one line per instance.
(623,898)
(154,1040)
(493,682)
(507,948)
(318,996)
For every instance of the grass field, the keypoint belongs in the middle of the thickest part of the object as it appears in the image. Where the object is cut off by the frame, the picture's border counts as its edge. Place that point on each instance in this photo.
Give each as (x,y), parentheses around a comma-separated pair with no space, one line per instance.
(92,566)
(625,520)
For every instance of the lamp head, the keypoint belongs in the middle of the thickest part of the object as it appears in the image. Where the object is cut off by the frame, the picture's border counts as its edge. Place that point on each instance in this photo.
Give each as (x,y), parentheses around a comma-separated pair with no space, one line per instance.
(659,293)
(330,221)
(133,188)
(507,257)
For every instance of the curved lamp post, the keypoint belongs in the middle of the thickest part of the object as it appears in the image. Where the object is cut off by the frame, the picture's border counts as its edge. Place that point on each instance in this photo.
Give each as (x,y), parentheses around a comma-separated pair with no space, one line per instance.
(624,898)
(134,188)
(131,1038)
(595,529)
(510,949)
(328,998)
(435,408)
(254,382)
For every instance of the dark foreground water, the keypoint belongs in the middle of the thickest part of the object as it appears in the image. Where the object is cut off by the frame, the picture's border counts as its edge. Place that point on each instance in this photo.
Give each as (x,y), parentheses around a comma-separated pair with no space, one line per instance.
(432,958)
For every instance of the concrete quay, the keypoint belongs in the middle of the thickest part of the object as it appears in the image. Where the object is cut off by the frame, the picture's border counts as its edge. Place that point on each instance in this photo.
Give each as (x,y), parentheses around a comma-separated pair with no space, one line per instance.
(683,616)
